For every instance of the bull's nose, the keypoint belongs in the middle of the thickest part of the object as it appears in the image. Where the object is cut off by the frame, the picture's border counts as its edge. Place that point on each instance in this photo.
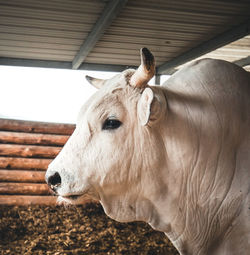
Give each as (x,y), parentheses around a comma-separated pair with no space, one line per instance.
(54,181)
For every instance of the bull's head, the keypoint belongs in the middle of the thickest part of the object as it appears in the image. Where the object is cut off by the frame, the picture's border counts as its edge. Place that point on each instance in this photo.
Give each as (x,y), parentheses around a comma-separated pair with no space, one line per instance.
(115,154)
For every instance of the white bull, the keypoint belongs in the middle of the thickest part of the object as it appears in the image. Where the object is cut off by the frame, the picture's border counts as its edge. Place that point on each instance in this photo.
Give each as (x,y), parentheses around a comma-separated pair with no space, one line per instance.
(175,156)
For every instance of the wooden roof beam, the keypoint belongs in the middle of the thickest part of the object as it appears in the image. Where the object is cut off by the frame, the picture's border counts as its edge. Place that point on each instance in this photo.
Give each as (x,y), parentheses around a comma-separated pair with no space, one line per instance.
(218,41)
(111,10)
(243,61)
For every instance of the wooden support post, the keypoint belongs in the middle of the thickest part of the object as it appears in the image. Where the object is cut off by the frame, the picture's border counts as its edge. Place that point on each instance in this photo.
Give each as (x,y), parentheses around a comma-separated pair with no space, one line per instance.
(157,79)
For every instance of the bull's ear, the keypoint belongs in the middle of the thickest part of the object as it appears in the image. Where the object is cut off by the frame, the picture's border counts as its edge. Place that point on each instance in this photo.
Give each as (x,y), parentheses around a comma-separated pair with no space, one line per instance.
(97,83)
(149,107)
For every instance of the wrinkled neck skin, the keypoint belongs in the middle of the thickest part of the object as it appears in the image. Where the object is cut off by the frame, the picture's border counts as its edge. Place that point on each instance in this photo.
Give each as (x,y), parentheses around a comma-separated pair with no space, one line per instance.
(187,190)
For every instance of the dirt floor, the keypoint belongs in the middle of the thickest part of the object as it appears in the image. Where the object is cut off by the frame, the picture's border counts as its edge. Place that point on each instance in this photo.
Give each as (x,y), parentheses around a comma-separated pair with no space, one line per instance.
(75,230)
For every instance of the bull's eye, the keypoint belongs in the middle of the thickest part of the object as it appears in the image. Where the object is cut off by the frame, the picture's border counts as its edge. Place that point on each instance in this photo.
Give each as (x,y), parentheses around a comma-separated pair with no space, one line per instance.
(111,124)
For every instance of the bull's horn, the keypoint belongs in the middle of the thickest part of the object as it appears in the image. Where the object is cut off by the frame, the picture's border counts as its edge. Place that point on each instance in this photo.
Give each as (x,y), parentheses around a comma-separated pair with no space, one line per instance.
(97,83)
(145,71)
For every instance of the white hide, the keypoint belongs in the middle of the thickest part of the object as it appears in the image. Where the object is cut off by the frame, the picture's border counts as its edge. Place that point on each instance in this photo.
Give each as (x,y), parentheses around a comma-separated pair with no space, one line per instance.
(180,160)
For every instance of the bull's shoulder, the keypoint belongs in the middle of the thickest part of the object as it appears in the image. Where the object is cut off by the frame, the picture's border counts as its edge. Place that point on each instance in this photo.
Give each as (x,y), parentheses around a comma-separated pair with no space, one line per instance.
(208,65)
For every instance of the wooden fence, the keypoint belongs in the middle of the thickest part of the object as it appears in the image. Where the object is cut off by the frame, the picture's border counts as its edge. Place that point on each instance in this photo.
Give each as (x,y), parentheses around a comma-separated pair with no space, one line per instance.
(26,149)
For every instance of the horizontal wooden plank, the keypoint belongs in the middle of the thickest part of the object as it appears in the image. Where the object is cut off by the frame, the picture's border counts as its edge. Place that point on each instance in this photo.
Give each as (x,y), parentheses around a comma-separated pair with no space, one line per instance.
(36,127)
(24,189)
(22,176)
(32,138)
(27,200)
(24,163)
(29,151)
(34,200)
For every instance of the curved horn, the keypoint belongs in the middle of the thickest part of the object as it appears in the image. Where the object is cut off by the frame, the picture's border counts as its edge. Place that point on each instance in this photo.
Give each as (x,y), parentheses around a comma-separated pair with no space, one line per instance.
(145,71)
(97,83)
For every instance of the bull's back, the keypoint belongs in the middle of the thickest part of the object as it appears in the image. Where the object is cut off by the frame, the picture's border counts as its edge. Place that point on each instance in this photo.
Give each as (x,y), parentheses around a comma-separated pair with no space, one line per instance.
(219,83)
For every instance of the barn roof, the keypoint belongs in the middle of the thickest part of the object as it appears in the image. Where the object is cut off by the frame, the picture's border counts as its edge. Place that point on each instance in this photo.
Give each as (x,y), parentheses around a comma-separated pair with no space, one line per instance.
(107,34)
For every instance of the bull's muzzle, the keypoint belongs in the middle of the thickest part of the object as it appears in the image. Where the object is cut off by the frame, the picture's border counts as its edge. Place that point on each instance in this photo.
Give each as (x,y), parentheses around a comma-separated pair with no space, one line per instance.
(54,181)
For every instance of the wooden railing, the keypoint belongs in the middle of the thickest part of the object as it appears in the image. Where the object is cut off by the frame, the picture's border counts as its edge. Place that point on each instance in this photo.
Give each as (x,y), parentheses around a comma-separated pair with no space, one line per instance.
(26,149)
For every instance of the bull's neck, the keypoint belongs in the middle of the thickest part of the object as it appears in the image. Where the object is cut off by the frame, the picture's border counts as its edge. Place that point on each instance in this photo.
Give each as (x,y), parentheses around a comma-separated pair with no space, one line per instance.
(192,202)
(180,136)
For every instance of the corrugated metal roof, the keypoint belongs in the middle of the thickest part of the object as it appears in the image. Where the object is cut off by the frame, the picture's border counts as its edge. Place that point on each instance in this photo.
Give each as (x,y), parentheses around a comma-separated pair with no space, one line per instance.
(232,52)
(47,30)
(55,30)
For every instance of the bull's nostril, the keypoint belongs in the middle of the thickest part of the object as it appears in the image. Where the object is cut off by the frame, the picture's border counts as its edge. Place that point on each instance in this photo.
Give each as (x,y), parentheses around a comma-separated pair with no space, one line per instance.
(54,181)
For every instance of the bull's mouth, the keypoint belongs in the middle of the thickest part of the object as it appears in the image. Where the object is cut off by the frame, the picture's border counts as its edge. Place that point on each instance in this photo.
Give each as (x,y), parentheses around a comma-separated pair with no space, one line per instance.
(71,199)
